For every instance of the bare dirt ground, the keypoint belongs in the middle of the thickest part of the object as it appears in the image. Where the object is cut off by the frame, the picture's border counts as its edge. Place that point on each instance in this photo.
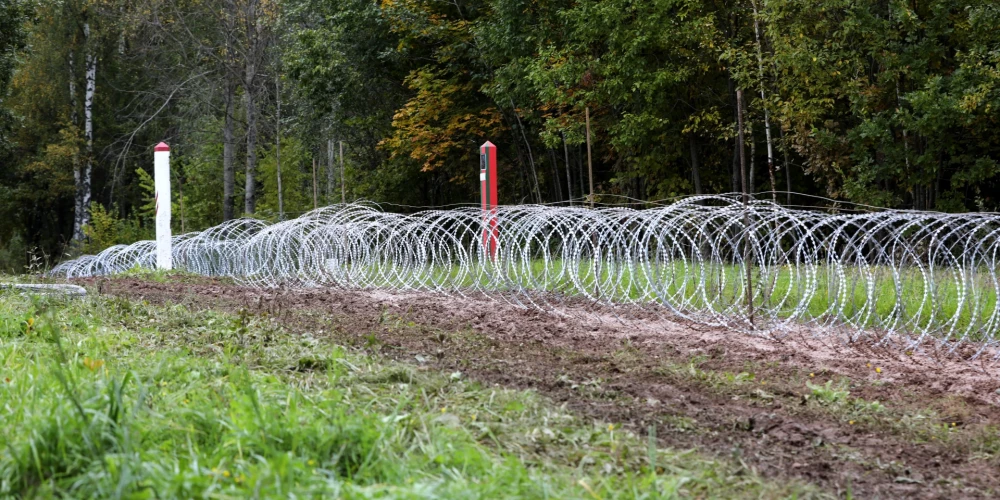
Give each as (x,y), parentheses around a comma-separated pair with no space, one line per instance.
(738,397)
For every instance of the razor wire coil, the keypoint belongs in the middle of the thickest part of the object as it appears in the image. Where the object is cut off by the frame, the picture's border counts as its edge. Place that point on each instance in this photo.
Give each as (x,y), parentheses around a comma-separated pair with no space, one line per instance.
(900,277)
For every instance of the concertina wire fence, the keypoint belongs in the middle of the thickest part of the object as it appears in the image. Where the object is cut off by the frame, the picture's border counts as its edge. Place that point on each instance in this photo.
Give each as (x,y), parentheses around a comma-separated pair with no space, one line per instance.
(903,278)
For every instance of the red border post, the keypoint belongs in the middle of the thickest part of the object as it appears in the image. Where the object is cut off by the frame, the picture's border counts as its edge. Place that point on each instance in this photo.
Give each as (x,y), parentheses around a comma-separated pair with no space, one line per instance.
(488,190)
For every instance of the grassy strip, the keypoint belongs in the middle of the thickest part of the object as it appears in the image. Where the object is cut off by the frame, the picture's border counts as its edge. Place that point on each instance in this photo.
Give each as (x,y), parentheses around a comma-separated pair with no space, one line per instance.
(110,398)
(947,301)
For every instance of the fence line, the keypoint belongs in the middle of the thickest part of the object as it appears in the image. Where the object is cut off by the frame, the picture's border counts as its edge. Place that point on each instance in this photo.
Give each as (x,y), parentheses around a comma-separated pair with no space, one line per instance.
(899,277)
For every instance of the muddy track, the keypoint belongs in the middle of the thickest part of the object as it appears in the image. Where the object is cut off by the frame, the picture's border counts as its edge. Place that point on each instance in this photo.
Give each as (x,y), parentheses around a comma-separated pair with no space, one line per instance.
(738,397)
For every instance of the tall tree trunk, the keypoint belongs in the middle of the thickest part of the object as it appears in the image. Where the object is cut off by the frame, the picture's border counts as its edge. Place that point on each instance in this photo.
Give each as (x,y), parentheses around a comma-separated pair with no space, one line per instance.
(250,195)
(524,188)
(774,187)
(228,153)
(736,162)
(737,133)
(329,171)
(180,192)
(746,199)
(74,115)
(763,99)
(254,54)
(77,172)
(590,163)
(937,185)
(788,171)
(740,141)
(277,147)
(569,178)
(556,185)
(753,160)
(906,142)
(343,176)
(90,77)
(695,174)
(531,157)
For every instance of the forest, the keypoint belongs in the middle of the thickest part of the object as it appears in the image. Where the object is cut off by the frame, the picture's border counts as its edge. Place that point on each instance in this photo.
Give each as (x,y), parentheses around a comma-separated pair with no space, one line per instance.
(273,107)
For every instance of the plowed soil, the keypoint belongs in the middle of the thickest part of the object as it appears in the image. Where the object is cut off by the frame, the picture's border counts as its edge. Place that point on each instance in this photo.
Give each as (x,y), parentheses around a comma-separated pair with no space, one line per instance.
(749,399)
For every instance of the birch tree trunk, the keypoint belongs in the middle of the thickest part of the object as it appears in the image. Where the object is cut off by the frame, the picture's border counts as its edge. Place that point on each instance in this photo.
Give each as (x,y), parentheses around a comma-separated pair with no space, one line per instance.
(74,118)
(90,77)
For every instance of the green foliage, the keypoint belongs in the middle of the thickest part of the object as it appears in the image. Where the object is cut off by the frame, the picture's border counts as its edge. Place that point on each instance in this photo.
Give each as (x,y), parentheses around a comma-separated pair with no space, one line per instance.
(908,131)
(877,102)
(201,184)
(837,398)
(881,102)
(106,229)
(147,212)
(296,180)
(12,39)
(827,393)
(342,57)
(148,187)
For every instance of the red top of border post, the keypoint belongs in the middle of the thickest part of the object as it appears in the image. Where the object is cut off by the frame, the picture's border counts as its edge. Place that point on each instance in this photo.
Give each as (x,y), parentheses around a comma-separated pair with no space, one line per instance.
(485,145)
(162,147)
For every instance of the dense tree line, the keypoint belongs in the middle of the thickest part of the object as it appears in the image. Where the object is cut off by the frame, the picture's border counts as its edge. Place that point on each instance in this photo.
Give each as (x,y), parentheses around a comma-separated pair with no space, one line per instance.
(893,103)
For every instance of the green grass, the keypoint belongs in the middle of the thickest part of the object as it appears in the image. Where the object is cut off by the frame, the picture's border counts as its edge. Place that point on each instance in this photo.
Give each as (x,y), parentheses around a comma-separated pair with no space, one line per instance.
(955,303)
(111,398)
(899,303)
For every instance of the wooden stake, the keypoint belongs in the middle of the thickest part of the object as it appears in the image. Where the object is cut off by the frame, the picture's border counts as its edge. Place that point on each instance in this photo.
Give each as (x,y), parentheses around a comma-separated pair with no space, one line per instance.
(315,192)
(590,165)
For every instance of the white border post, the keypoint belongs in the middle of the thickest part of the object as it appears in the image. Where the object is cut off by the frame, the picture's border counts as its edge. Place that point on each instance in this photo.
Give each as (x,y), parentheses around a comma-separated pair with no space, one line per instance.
(161,179)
